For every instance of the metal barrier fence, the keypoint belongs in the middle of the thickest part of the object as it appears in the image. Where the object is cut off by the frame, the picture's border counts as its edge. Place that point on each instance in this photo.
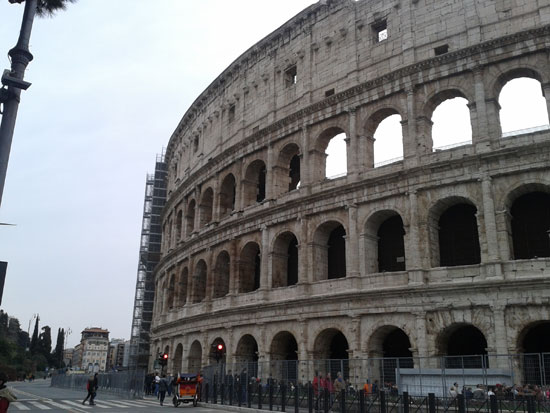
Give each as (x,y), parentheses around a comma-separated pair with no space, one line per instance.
(129,384)
(414,375)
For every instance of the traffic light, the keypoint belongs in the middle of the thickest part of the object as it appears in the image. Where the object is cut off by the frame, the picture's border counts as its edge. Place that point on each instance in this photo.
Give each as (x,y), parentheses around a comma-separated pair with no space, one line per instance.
(219,351)
(163,359)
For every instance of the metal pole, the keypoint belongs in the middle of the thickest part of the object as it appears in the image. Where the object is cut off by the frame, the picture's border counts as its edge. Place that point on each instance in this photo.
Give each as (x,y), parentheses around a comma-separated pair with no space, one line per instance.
(20,58)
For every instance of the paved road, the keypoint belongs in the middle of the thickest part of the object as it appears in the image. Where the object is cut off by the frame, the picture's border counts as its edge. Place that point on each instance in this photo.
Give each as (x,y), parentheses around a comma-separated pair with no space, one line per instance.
(39,396)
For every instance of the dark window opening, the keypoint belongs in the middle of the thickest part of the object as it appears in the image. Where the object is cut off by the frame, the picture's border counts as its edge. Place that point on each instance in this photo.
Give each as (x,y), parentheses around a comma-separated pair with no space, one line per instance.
(261,186)
(337,253)
(227,196)
(466,348)
(250,268)
(380,30)
(536,347)
(291,76)
(292,262)
(255,129)
(294,173)
(257,270)
(458,236)
(441,50)
(397,354)
(531,226)
(338,356)
(329,92)
(231,113)
(391,246)
(196,144)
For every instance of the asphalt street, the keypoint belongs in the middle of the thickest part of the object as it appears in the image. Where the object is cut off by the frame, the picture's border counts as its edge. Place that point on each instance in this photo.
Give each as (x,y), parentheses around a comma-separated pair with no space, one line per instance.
(39,396)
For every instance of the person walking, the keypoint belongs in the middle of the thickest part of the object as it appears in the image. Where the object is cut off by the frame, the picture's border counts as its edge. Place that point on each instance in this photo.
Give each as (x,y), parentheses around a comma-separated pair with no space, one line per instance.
(6,395)
(91,386)
(163,388)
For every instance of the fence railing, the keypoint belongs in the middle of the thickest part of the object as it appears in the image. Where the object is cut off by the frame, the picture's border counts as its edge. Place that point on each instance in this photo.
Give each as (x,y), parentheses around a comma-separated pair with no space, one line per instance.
(128,384)
(417,376)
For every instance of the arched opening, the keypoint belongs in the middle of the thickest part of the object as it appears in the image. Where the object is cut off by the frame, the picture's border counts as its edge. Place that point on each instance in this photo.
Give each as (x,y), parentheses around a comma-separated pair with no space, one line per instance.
(458,236)
(391,245)
(285,260)
(330,251)
(390,349)
(177,359)
(221,277)
(205,209)
(249,268)
(194,361)
(171,290)
(284,357)
(182,294)
(451,122)
(179,223)
(522,103)
(254,183)
(535,344)
(164,297)
(531,225)
(336,157)
(216,356)
(227,195)
(331,353)
(388,137)
(286,174)
(246,358)
(190,218)
(464,346)
(199,282)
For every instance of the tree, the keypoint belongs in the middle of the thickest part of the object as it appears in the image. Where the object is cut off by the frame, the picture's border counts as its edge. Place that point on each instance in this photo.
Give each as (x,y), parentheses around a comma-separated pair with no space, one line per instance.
(45,342)
(34,339)
(10,95)
(58,352)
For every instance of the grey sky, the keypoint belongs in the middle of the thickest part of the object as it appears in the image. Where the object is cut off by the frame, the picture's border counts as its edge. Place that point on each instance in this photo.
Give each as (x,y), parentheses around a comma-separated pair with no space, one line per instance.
(111,80)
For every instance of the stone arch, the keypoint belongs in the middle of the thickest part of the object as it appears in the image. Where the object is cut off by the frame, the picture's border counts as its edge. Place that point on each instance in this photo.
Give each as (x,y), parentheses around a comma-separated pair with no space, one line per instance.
(254,183)
(179,224)
(246,357)
(171,292)
(194,359)
(221,275)
(319,156)
(284,357)
(177,360)
(249,268)
(329,251)
(285,260)
(228,195)
(206,207)
(190,217)
(287,169)
(448,246)
(198,291)
(384,242)
(463,345)
(514,73)
(382,149)
(182,293)
(331,352)
(534,343)
(393,345)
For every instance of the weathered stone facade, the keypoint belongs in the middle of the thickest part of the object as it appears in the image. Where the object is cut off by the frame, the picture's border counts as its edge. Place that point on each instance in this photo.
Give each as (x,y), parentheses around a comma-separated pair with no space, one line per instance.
(247,250)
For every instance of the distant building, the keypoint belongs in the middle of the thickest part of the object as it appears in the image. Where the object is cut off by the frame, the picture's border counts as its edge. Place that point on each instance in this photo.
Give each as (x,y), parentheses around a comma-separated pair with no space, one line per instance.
(115,358)
(77,357)
(94,347)
(68,355)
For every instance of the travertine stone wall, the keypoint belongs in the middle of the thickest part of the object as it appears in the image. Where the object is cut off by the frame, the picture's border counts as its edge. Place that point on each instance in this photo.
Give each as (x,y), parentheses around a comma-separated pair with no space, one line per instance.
(322,73)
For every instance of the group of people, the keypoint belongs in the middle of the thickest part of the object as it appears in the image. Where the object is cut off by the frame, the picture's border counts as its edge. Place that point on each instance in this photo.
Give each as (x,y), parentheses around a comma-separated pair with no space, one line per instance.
(501,392)
(325,385)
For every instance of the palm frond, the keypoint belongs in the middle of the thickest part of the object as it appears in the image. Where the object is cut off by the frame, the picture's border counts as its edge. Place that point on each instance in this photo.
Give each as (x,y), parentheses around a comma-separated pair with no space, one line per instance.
(47,8)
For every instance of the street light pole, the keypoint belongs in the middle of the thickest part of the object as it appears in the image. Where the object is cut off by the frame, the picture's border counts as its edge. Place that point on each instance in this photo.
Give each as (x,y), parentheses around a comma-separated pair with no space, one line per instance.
(12,81)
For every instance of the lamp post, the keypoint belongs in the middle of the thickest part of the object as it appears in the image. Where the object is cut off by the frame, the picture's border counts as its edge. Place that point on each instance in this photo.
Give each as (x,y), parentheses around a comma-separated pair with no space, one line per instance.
(13,83)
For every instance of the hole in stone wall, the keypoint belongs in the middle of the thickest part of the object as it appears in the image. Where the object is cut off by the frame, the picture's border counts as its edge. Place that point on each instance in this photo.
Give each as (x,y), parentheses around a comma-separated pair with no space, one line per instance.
(451,124)
(441,50)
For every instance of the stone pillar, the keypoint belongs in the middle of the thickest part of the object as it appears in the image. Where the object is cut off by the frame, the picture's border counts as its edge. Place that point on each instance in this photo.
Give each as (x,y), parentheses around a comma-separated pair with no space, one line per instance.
(352,247)
(501,339)
(489,218)
(493,120)
(410,145)
(305,167)
(197,220)
(190,280)
(270,172)
(206,352)
(264,259)
(414,262)
(210,274)
(234,268)
(305,372)
(239,195)
(229,350)
(356,354)
(353,146)
(304,269)
(368,152)
(421,341)
(546,91)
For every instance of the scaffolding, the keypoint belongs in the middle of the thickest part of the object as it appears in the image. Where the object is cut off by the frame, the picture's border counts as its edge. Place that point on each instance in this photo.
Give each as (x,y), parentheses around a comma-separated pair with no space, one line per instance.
(149,256)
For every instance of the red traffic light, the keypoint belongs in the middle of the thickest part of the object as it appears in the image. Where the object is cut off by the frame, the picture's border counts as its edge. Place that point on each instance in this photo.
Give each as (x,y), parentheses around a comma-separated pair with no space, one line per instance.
(165,356)
(220,347)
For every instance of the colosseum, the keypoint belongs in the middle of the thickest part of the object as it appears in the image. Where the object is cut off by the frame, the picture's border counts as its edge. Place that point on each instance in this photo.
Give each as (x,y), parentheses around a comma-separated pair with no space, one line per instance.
(439,258)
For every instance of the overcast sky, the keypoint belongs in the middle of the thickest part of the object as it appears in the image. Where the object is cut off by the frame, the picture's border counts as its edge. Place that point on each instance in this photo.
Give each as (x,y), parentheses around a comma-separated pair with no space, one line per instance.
(110,81)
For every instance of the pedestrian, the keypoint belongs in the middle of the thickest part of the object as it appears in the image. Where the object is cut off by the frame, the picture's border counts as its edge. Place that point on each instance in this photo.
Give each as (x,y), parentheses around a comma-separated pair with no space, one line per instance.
(157,381)
(163,388)
(339,385)
(244,385)
(6,395)
(91,386)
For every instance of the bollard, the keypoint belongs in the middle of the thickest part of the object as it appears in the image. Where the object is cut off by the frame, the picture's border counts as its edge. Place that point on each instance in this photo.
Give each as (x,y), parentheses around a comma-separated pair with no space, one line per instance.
(249,396)
(461,404)
(405,402)
(231,393)
(382,397)
(296,399)
(283,397)
(259,396)
(271,395)
(240,394)
(343,401)
(215,393)
(206,393)
(493,403)
(222,393)
(431,403)
(326,396)
(309,397)
(531,404)
(361,401)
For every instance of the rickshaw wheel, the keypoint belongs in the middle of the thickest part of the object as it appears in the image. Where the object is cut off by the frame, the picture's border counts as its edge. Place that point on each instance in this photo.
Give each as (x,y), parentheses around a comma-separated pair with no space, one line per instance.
(195,401)
(175,401)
